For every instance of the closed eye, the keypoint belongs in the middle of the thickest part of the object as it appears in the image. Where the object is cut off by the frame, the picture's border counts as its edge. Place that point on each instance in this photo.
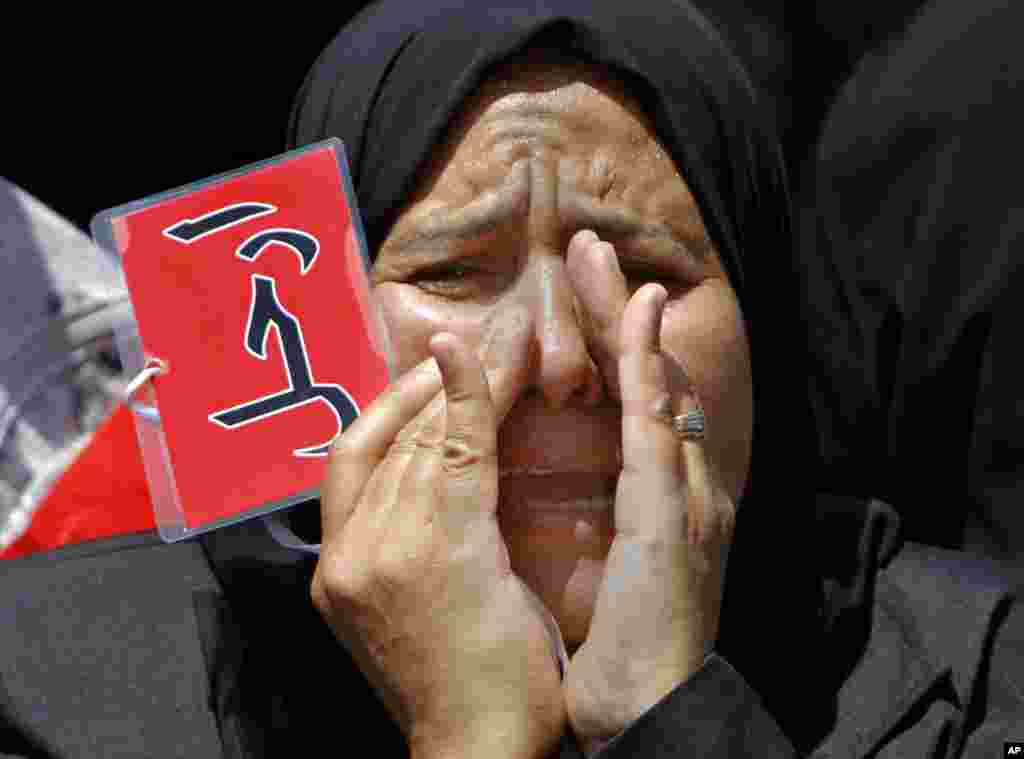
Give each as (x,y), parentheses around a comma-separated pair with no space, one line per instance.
(638,274)
(444,271)
(459,280)
(646,273)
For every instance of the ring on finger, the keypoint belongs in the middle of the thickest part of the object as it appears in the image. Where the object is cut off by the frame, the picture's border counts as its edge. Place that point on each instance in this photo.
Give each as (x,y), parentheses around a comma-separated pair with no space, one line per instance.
(691,425)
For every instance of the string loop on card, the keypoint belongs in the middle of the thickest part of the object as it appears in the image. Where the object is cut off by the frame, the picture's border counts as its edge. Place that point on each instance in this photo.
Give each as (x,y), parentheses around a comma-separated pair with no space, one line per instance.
(283,534)
(154,367)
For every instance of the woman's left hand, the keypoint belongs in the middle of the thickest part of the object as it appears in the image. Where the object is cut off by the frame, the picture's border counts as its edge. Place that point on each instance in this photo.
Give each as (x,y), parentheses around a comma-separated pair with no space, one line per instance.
(656,615)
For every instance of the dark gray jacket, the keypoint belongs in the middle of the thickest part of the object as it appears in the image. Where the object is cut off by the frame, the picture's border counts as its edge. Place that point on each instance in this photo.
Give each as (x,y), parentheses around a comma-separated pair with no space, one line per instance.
(127,647)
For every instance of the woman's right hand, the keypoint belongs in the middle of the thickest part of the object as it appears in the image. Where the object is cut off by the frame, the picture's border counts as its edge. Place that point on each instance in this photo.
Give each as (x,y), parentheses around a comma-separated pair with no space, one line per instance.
(414,577)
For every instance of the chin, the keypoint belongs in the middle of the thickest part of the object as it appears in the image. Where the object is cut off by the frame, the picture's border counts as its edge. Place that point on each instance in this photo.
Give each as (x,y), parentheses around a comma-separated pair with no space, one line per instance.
(563,563)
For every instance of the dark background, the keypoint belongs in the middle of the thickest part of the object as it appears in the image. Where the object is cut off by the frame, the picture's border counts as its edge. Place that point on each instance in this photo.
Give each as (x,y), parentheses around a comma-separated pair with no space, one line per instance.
(107,109)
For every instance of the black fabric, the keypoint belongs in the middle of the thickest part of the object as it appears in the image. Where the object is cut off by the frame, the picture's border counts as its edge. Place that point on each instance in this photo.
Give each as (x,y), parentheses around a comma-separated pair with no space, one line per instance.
(101,655)
(910,254)
(282,684)
(826,41)
(127,647)
(392,81)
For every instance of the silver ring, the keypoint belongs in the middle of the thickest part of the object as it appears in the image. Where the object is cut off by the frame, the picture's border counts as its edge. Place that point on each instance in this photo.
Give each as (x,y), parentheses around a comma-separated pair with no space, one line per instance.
(691,425)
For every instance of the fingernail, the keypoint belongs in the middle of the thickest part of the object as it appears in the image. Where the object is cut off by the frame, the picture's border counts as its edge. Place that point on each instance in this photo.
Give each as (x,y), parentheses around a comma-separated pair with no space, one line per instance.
(441,344)
(657,296)
(586,236)
(502,335)
(609,249)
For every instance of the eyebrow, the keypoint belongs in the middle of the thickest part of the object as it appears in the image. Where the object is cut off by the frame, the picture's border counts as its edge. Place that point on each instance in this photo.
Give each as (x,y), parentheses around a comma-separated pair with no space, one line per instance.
(617,223)
(442,227)
(433,237)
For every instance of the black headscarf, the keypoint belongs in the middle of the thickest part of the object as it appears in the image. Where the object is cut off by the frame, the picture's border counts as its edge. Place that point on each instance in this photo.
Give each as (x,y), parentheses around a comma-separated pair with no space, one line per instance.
(911,248)
(393,80)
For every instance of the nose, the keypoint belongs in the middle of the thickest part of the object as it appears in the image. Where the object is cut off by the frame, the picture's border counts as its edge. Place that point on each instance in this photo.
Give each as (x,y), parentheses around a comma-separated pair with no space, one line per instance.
(565,371)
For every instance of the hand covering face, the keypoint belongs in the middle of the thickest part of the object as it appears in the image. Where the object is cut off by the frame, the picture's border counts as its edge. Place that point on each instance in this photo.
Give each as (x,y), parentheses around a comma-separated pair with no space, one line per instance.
(392,81)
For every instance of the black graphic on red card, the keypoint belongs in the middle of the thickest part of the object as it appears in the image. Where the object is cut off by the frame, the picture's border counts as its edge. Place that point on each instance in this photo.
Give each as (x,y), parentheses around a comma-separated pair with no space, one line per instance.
(267,313)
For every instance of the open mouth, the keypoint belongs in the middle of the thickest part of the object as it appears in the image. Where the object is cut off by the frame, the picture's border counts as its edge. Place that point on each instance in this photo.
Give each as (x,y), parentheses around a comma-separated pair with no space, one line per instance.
(554,497)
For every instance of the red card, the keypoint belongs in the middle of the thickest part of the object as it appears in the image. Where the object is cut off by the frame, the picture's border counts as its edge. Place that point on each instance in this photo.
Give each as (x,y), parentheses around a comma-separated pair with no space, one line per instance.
(251,287)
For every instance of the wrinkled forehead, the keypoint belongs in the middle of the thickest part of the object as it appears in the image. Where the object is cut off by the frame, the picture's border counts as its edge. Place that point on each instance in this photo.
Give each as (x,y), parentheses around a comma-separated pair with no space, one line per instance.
(551,144)
(541,99)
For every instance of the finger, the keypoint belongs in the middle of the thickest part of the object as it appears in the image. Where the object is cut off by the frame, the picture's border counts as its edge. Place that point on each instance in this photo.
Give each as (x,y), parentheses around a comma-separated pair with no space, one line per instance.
(506,358)
(603,293)
(469,448)
(651,453)
(380,497)
(419,493)
(417,498)
(356,453)
(475,405)
(499,352)
(701,500)
(410,413)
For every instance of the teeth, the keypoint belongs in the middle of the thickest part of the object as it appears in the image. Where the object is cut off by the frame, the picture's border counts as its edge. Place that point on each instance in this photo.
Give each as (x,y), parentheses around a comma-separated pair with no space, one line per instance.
(518,470)
(540,470)
(595,503)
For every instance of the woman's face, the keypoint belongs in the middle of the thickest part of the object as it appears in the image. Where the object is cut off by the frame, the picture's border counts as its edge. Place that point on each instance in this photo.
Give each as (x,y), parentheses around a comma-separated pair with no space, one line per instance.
(543,151)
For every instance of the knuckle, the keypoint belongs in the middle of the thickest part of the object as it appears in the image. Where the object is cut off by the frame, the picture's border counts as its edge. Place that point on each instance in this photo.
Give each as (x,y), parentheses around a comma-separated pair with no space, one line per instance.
(409,445)
(392,568)
(463,450)
(397,572)
(403,446)
(335,585)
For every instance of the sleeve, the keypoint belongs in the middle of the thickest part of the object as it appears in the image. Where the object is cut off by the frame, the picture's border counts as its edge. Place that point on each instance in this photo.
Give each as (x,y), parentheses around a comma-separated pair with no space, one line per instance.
(714,714)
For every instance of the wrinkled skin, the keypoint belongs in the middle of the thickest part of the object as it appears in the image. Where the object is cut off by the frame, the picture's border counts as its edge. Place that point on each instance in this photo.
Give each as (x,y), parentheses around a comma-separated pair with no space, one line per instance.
(548,208)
